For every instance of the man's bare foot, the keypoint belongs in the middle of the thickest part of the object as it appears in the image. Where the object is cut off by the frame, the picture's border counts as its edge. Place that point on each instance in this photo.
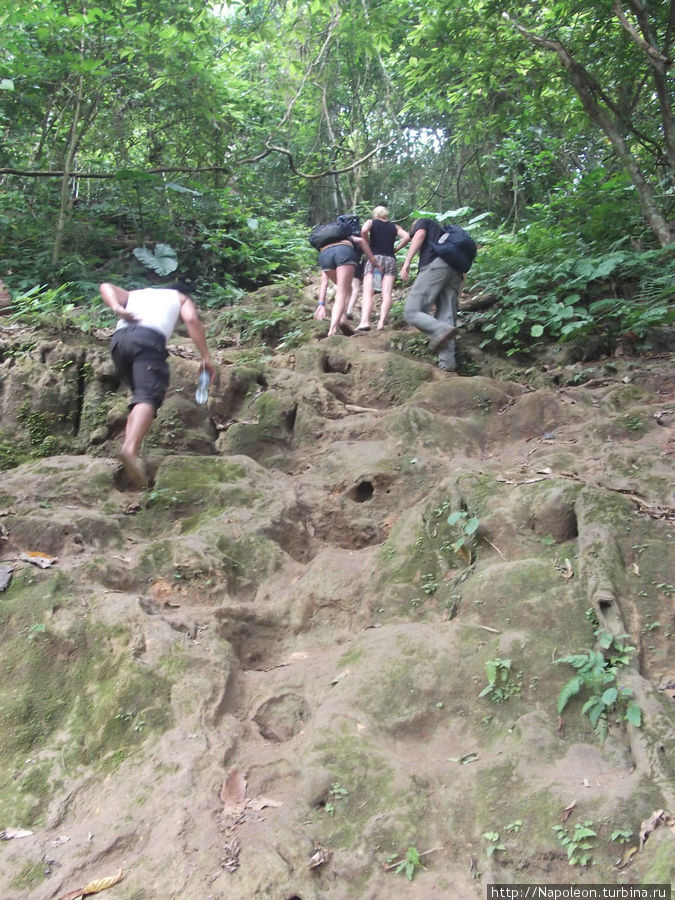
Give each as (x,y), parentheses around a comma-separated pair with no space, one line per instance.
(134,468)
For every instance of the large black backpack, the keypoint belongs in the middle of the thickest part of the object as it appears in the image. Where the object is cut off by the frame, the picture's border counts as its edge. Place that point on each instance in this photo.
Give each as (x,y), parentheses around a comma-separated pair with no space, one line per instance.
(456,247)
(343,227)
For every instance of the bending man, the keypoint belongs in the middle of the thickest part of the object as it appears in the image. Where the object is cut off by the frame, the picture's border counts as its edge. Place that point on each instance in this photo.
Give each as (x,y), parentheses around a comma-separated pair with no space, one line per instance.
(437,284)
(147,319)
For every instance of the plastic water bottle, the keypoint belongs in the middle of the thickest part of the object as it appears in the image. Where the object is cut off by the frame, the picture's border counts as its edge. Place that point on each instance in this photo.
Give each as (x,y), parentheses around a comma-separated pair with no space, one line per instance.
(202,392)
(377,280)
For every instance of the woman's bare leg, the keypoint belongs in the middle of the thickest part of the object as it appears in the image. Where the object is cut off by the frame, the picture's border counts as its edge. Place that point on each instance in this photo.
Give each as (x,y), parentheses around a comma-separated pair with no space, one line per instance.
(366,301)
(342,276)
(387,299)
(356,284)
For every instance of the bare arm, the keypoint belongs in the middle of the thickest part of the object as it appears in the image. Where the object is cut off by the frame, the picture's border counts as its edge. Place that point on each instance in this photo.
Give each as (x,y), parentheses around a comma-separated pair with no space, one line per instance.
(365,246)
(365,231)
(404,238)
(189,315)
(415,244)
(116,298)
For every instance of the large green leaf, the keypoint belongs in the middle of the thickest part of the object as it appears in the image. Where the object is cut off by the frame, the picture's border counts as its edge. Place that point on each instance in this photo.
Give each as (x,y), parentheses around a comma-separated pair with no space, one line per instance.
(163,261)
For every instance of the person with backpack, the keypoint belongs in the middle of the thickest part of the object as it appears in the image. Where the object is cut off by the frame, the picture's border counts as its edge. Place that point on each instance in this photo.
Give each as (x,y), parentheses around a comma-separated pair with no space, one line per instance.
(381,235)
(338,258)
(438,284)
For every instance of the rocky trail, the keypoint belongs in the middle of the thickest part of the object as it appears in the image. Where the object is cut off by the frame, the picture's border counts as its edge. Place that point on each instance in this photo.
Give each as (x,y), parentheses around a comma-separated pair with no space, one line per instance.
(280,672)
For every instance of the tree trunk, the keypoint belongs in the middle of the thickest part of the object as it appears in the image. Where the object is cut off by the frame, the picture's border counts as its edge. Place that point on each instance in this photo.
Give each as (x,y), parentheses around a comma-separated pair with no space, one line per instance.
(589,92)
(71,149)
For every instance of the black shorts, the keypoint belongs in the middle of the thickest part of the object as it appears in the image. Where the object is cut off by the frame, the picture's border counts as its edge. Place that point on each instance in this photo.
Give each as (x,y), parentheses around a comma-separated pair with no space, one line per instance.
(140,357)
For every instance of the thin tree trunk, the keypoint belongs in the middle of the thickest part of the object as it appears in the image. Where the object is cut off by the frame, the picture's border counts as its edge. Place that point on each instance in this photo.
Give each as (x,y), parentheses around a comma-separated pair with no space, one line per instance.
(67,169)
(588,91)
(659,62)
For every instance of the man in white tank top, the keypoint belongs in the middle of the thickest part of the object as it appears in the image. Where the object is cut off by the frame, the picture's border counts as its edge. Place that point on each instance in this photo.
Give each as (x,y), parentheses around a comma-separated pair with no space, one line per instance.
(147,319)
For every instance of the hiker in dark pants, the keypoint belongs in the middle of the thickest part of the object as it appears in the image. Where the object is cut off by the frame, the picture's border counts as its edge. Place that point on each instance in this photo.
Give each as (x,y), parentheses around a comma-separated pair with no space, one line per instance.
(147,319)
(437,284)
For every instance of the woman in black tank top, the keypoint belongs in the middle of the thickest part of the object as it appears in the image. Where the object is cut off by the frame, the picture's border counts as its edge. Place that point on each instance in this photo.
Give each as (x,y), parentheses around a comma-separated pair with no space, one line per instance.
(381,235)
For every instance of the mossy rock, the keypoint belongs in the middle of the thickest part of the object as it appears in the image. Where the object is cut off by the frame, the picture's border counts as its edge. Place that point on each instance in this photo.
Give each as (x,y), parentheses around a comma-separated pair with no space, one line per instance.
(465,397)
(414,426)
(189,485)
(60,480)
(53,531)
(51,717)
(274,413)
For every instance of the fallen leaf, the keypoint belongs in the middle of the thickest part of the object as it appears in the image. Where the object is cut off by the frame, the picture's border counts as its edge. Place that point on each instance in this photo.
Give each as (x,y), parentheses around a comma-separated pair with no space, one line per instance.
(568,809)
(261,803)
(465,553)
(338,678)
(5,577)
(626,858)
(320,856)
(568,571)
(463,760)
(101,884)
(39,559)
(233,792)
(8,833)
(636,569)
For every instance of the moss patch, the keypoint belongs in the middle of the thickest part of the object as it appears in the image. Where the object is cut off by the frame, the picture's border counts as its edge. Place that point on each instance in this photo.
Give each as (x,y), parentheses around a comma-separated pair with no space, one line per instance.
(66,700)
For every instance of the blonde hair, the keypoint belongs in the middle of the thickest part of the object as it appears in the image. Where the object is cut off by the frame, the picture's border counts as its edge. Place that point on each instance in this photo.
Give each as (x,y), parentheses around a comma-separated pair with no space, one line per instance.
(380,212)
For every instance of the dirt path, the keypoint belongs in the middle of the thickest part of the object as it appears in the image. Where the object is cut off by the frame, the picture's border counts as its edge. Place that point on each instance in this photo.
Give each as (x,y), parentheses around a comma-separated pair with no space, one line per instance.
(261,677)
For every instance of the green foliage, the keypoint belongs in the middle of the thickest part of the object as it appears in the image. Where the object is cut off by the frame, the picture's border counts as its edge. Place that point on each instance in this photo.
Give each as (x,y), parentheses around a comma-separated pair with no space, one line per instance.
(216,146)
(42,301)
(621,835)
(502,682)
(569,296)
(579,844)
(10,455)
(60,308)
(410,864)
(596,675)
(337,792)
(162,259)
(494,843)
(468,525)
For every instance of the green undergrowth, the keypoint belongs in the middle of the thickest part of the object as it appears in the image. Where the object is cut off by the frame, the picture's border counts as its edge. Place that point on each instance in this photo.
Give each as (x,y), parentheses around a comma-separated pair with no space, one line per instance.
(280,324)
(560,293)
